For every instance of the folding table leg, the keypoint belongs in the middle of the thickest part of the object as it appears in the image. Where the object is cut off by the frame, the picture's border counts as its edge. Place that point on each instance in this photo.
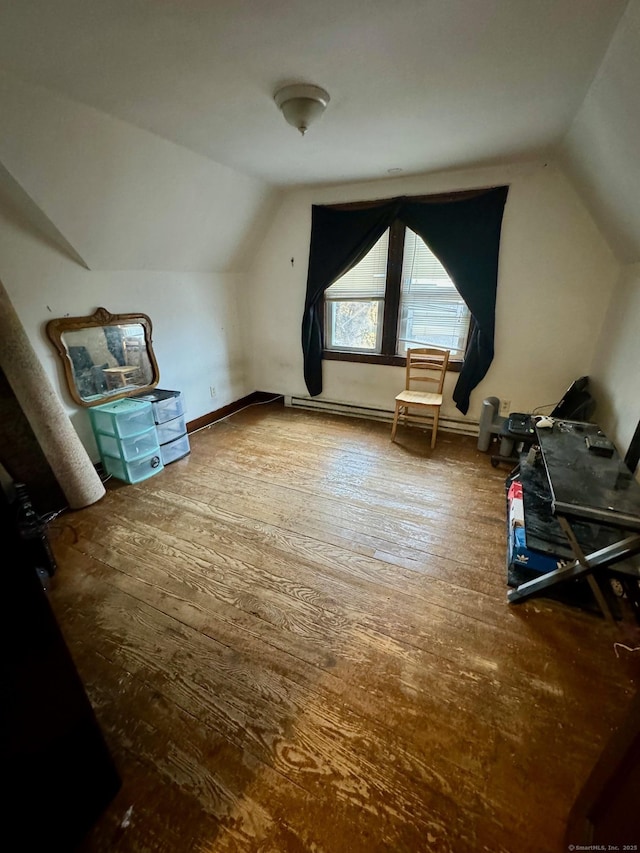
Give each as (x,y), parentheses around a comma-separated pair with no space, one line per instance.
(584,561)
(603,558)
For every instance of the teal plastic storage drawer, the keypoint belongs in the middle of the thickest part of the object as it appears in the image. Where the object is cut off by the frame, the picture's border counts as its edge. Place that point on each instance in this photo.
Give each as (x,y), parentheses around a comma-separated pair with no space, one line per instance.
(136,470)
(122,418)
(130,448)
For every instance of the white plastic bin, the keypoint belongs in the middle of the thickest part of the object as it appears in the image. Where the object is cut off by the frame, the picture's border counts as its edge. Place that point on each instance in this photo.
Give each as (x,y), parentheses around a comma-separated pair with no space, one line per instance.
(171,430)
(167,405)
(175,449)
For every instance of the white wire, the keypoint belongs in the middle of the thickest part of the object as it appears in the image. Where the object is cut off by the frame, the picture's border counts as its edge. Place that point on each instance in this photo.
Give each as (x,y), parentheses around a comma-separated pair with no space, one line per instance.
(545,406)
(48,517)
(224,417)
(622,646)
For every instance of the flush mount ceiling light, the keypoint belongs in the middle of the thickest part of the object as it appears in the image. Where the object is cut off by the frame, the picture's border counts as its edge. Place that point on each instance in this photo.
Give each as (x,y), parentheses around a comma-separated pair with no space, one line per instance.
(301,104)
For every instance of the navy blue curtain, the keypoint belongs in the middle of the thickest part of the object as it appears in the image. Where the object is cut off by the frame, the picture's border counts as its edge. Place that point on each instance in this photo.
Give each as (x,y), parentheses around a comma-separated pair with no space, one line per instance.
(462,231)
(465,236)
(340,239)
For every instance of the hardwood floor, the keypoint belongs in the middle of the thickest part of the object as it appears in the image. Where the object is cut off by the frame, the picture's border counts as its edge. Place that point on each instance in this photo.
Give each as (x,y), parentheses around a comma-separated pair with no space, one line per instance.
(297,639)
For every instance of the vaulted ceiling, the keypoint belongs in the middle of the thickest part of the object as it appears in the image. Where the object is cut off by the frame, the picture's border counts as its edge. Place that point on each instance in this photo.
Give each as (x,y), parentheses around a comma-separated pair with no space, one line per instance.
(416,85)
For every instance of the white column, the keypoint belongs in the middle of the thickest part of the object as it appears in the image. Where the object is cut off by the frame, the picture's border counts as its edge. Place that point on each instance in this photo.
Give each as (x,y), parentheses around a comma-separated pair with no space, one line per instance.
(54,431)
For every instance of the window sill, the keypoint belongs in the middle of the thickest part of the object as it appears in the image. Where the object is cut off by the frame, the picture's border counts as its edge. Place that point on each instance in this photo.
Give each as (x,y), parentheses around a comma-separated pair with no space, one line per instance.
(373,358)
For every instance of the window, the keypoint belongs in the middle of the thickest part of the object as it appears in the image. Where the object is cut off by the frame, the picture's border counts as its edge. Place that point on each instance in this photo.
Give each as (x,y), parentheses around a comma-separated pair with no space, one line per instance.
(354,305)
(398,296)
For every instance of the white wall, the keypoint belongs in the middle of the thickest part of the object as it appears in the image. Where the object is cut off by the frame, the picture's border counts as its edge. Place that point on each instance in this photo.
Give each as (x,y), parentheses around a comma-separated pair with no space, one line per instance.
(122,197)
(616,364)
(127,200)
(600,151)
(162,230)
(556,277)
(196,326)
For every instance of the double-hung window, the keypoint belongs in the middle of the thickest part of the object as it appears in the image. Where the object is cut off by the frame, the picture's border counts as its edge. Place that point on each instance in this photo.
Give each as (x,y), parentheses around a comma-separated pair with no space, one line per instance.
(354,304)
(397,297)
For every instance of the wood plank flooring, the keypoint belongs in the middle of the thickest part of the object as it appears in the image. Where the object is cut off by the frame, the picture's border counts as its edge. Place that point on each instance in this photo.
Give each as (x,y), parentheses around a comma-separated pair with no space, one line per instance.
(297,639)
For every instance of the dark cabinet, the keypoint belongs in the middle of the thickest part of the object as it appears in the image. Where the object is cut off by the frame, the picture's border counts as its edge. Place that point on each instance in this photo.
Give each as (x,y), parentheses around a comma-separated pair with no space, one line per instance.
(58,772)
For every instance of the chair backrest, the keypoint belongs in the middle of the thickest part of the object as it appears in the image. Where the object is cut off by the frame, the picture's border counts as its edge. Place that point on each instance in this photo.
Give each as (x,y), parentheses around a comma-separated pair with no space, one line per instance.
(426,366)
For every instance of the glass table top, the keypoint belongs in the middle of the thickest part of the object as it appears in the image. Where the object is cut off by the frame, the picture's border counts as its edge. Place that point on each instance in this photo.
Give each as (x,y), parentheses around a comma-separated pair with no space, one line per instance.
(584,483)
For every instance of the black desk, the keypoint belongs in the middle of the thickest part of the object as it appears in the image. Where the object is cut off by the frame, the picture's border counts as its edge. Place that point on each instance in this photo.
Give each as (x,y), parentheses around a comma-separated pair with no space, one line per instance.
(586,487)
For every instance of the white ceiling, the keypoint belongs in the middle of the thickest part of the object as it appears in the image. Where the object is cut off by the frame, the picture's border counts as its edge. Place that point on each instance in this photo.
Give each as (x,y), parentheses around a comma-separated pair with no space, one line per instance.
(417,85)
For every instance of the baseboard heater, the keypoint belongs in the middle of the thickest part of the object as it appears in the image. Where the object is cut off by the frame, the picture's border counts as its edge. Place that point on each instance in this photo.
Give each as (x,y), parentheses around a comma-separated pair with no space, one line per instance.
(446,424)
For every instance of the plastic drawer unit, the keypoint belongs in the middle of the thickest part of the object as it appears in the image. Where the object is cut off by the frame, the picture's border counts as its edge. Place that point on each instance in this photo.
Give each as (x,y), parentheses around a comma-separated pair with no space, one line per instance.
(165,405)
(122,418)
(168,415)
(176,449)
(127,439)
(130,448)
(136,470)
(171,430)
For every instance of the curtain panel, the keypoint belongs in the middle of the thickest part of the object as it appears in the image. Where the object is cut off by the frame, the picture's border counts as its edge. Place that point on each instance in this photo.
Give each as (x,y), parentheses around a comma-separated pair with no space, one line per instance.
(461,229)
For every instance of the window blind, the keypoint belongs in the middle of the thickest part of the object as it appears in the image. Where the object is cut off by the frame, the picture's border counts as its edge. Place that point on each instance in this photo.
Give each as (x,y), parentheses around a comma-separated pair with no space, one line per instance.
(431,309)
(367,280)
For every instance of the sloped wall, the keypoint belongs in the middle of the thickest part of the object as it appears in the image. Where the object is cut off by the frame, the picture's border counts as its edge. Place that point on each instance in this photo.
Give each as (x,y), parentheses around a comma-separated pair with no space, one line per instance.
(600,155)
(600,152)
(196,325)
(163,231)
(124,198)
(616,363)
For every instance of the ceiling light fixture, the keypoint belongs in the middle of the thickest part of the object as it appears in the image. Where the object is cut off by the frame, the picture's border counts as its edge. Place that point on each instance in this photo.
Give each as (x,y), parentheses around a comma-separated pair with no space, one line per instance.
(301,104)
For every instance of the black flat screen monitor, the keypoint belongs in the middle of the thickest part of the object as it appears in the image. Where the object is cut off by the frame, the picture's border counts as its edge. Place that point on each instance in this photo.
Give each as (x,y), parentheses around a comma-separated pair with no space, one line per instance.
(576,404)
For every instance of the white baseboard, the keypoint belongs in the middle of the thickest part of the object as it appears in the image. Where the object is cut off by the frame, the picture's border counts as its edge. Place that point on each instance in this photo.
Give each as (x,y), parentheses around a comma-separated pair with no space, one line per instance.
(446,424)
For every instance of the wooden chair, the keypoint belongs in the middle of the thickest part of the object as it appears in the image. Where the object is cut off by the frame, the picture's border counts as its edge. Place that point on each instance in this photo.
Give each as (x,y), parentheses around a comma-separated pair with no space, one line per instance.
(425,365)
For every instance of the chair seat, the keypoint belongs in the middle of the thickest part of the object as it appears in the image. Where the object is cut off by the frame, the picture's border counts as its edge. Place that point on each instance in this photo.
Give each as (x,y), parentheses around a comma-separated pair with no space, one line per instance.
(419,398)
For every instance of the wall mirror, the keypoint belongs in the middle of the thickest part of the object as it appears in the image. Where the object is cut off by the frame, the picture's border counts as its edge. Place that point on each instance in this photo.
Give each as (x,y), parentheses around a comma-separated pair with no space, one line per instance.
(105,356)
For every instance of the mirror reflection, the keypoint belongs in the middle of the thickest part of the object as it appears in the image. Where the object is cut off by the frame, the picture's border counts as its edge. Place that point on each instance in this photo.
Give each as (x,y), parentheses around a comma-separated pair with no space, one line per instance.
(108,359)
(105,356)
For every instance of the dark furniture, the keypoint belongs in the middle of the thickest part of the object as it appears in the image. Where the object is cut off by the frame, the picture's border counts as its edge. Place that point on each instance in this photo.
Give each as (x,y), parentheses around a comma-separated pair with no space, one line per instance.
(58,773)
(632,456)
(517,432)
(595,501)
(514,440)
(605,811)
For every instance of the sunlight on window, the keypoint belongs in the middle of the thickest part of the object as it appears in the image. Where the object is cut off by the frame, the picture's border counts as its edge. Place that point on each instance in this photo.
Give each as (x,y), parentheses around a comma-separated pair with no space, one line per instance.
(354,324)
(431,309)
(355,303)
(428,310)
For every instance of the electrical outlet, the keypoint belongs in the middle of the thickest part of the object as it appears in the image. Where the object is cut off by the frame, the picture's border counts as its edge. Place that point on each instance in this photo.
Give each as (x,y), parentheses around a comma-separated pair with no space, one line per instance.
(505,408)
(212,390)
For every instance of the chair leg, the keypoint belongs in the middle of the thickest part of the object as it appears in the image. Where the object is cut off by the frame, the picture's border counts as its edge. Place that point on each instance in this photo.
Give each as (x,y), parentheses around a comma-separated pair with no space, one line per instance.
(434,430)
(395,422)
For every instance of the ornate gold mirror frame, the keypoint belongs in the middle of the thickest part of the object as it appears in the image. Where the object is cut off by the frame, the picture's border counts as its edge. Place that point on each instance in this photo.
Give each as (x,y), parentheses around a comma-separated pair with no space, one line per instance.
(105,356)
